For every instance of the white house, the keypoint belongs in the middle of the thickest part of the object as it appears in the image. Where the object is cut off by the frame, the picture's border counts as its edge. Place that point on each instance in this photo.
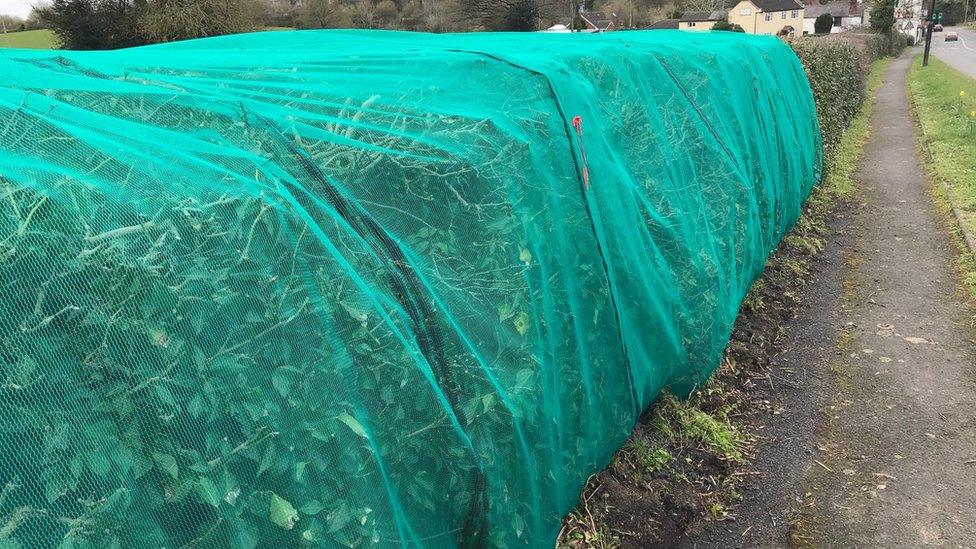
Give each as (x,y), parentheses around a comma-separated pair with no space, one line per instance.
(559,27)
(846,15)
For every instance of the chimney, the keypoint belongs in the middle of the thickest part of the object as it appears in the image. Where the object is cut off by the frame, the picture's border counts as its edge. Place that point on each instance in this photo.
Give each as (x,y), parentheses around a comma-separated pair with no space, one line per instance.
(853,10)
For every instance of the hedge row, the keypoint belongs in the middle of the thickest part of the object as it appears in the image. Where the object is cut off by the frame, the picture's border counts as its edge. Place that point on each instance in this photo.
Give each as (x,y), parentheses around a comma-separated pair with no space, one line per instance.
(836,74)
(837,65)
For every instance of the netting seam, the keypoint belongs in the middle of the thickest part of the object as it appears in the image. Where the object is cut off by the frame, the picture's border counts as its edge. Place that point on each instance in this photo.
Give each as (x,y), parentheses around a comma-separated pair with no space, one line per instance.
(407,286)
(589,213)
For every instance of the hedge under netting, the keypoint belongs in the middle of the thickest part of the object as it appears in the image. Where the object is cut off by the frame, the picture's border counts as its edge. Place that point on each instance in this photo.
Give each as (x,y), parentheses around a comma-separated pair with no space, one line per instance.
(356,288)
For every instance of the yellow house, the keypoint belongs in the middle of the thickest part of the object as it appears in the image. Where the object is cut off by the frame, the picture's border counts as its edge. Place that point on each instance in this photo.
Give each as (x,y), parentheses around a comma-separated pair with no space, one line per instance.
(768,16)
(700,20)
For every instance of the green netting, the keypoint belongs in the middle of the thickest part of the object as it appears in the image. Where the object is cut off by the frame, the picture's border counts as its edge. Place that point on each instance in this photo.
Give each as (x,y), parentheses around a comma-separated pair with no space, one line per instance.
(355,288)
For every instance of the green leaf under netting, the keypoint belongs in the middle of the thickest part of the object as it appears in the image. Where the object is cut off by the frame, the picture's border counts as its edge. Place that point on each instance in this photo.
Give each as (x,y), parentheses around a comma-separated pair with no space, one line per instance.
(282,512)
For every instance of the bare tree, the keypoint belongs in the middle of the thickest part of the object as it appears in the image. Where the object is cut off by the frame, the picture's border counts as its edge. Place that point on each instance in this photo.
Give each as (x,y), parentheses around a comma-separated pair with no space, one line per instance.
(386,14)
(363,14)
(324,14)
(701,5)
(169,20)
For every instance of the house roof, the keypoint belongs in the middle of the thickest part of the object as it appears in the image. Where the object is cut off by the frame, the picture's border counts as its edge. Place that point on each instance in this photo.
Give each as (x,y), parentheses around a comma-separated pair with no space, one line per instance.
(598,19)
(702,16)
(837,9)
(777,5)
(664,24)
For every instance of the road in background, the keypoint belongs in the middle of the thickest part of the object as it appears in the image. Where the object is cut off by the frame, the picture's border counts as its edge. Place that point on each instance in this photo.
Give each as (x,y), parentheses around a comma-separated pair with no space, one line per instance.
(960,55)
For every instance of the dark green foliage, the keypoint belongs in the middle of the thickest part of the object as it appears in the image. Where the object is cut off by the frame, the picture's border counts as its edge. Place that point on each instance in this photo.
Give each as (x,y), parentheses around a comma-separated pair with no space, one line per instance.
(878,46)
(883,15)
(724,25)
(870,46)
(823,23)
(111,24)
(94,24)
(897,42)
(952,11)
(521,15)
(837,81)
(504,15)
(578,23)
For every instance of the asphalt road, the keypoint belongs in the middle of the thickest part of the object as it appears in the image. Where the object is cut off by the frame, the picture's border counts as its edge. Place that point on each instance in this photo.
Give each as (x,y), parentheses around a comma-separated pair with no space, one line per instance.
(961,55)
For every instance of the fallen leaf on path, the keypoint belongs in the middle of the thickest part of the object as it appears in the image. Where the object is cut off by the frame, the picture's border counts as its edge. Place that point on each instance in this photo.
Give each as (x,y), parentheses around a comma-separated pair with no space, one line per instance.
(884,359)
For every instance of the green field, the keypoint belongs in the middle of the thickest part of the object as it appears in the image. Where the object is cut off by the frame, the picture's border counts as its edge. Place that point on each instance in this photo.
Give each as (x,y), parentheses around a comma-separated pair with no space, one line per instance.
(35,39)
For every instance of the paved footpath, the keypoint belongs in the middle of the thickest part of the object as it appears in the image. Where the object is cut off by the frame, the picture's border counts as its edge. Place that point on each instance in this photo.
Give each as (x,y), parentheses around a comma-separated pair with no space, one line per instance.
(887,456)
(901,433)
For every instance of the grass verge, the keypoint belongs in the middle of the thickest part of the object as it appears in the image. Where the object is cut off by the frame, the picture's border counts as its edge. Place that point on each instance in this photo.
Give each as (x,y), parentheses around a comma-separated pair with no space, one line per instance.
(34,39)
(944,101)
(681,462)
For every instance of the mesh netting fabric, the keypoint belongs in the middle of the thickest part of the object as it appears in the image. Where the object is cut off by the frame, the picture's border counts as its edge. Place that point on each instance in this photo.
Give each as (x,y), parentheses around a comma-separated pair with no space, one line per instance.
(344,288)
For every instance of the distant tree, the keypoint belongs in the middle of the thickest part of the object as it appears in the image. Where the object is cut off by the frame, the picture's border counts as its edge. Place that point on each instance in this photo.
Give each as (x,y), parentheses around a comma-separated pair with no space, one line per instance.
(412,16)
(94,24)
(109,24)
(724,25)
(33,21)
(823,23)
(444,16)
(325,14)
(883,15)
(513,15)
(701,5)
(952,10)
(11,23)
(578,23)
(363,14)
(386,14)
(169,20)
(520,15)
(276,13)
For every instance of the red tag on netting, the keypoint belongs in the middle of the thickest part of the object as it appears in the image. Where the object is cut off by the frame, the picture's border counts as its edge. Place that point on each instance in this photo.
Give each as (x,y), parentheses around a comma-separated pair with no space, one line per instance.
(578,124)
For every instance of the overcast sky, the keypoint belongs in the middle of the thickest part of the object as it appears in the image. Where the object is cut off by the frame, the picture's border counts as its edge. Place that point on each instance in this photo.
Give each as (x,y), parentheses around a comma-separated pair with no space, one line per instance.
(20,8)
